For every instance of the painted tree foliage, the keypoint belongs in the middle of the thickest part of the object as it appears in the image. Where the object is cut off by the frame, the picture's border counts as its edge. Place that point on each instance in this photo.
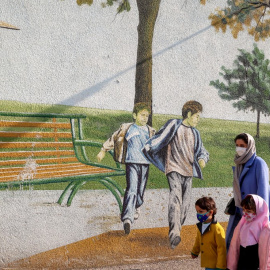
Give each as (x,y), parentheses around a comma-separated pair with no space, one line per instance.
(148,11)
(239,15)
(248,83)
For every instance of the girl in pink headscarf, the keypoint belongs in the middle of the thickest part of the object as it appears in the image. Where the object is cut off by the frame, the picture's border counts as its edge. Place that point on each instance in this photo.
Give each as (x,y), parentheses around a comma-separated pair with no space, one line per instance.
(250,245)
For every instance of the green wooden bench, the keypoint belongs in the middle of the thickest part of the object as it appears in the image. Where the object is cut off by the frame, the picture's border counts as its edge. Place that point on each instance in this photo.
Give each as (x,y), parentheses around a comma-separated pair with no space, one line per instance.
(42,148)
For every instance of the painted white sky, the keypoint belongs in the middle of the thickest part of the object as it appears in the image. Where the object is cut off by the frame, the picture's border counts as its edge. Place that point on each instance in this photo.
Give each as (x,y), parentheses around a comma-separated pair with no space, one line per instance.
(86,56)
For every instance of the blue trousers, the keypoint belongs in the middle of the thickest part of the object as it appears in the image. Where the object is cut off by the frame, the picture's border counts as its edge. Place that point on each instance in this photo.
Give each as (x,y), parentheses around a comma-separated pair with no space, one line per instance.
(136,177)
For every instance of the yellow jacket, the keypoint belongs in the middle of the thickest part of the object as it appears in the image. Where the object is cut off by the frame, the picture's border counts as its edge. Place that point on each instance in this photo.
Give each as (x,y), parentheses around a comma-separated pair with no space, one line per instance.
(211,244)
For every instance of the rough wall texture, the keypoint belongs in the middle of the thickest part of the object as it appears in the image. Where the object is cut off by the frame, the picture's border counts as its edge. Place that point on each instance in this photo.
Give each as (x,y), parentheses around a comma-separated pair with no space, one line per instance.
(86,56)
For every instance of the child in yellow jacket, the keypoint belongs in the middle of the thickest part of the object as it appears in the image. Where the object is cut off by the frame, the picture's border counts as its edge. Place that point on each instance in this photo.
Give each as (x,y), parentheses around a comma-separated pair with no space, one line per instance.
(210,239)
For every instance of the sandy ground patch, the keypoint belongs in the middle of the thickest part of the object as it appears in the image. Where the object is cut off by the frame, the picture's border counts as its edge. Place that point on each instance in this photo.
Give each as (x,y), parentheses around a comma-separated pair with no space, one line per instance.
(141,247)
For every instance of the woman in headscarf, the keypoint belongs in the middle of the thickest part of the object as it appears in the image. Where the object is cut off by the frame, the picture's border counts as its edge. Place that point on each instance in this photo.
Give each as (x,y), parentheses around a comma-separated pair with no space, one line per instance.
(250,176)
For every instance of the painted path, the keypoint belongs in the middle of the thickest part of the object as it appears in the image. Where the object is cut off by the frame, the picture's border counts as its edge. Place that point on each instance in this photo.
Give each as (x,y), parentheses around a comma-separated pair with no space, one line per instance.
(32,223)
(141,246)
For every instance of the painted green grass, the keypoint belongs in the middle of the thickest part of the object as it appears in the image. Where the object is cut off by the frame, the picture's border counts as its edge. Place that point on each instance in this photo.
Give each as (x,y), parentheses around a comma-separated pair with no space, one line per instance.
(217,136)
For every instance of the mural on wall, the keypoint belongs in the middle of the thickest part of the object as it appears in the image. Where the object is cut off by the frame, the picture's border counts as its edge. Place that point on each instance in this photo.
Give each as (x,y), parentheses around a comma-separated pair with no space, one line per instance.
(71,77)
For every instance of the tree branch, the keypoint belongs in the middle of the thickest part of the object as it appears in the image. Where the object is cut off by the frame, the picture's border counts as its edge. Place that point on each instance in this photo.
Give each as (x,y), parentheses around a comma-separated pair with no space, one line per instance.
(246,77)
(224,21)
(260,3)
(247,7)
(260,20)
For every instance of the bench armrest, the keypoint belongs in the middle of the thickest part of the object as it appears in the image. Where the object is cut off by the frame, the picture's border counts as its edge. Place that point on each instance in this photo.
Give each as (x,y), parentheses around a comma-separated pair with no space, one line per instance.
(95,144)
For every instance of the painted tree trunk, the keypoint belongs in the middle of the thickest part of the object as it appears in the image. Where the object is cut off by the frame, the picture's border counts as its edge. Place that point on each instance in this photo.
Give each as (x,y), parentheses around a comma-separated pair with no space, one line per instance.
(148,11)
(258,124)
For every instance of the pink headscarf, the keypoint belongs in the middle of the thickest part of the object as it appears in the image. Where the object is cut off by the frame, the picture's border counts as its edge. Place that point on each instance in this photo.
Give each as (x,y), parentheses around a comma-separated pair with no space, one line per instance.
(250,231)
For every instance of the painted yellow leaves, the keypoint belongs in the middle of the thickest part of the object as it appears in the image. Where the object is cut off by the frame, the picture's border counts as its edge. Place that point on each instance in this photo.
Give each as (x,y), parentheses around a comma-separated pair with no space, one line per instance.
(243,15)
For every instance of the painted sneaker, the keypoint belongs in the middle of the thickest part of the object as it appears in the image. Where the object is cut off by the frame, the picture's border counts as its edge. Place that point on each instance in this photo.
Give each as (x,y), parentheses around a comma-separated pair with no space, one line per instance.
(175,242)
(127,225)
(137,213)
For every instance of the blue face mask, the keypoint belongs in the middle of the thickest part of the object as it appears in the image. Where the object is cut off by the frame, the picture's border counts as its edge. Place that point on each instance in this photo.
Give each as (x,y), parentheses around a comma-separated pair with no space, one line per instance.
(202,217)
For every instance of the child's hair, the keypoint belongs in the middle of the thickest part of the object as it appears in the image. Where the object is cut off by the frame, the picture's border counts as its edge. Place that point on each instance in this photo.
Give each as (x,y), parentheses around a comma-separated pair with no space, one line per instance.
(249,203)
(141,106)
(242,136)
(207,203)
(191,106)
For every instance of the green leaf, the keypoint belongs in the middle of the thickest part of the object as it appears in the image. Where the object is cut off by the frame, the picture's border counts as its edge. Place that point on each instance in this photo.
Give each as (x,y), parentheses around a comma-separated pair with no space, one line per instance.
(109,2)
(124,5)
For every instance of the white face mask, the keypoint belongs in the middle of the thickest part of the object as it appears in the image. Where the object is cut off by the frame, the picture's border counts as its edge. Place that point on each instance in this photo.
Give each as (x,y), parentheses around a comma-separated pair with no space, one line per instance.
(249,216)
(240,150)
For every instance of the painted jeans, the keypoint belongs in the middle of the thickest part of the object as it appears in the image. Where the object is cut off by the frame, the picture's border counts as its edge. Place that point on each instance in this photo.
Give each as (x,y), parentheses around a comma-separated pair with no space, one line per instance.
(179,201)
(136,177)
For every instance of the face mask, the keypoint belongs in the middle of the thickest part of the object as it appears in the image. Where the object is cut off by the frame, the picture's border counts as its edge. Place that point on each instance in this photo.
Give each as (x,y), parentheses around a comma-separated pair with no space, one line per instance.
(202,217)
(240,150)
(249,216)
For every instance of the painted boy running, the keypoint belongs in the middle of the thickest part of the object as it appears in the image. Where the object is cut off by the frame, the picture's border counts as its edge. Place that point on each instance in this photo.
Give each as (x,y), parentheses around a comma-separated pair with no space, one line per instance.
(127,143)
(178,151)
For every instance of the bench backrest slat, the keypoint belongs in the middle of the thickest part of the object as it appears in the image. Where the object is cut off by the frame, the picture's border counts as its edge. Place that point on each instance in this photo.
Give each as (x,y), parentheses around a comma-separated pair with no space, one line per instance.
(30,139)
(38,161)
(14,145)
(45,167)
(37,135)
(39,173)
(18,124)
(36,139)
(20,154)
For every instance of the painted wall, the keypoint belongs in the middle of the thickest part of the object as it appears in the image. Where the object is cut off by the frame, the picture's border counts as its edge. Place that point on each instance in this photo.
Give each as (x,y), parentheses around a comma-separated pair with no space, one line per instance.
(85,56)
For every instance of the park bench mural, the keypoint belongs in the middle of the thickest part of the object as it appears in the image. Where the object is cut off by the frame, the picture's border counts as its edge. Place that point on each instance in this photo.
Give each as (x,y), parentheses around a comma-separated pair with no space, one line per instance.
(40,150)
(71,76)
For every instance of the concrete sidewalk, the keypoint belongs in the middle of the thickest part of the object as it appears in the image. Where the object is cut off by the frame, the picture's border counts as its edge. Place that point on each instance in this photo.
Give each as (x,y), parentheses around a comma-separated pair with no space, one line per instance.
(31,222)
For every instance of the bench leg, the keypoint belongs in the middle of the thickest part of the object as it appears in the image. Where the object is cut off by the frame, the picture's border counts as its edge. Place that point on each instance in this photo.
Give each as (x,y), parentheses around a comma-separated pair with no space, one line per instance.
(117,197)
(61,198)
(74,191)
(116,185)
(107,182)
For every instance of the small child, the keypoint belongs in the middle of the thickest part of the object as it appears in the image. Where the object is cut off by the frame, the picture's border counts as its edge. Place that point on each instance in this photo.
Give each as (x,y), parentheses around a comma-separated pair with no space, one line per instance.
(127,143)
(210,239)
(249,248)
